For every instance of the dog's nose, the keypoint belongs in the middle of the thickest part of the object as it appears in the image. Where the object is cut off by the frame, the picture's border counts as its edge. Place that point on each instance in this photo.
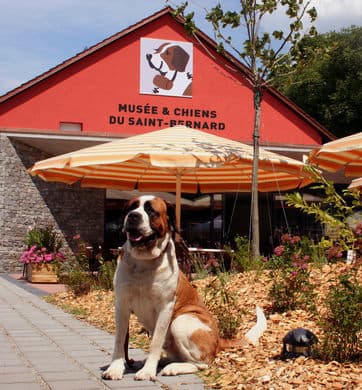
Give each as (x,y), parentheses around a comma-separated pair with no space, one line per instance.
(134,219)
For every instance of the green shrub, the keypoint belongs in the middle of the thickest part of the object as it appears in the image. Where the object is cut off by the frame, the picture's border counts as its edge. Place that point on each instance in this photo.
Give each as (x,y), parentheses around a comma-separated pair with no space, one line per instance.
(242,259)
(290,271)
(106,274)
(74,271)
(44,237)
(198,267)
(342,322)
(76,279)
(334,211)
(221,301)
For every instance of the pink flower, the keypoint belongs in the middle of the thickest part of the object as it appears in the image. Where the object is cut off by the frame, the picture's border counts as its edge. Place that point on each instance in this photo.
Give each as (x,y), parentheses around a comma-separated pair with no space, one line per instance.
(285,238)
(49,257)
(279,250)
(295,240)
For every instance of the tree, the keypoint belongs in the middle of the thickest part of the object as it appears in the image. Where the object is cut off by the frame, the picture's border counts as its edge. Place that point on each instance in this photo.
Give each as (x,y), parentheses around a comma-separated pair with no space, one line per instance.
(264,53)
(329,88)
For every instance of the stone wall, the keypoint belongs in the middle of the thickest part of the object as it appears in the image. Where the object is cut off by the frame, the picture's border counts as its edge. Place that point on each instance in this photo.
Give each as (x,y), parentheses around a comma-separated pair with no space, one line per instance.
(26,202)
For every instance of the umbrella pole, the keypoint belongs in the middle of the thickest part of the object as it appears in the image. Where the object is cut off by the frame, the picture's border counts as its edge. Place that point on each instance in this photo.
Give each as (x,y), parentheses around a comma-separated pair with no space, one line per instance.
(178,204)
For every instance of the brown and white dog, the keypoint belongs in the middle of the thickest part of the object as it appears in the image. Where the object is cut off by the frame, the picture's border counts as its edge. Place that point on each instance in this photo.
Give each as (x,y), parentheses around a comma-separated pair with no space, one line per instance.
(148,282)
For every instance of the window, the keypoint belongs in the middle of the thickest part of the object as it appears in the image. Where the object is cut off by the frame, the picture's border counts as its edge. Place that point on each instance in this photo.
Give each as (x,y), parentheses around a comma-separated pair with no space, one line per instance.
(71,126)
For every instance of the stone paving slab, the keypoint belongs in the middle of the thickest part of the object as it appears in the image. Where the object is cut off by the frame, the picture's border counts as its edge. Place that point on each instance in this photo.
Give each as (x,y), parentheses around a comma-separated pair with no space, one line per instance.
(41,347)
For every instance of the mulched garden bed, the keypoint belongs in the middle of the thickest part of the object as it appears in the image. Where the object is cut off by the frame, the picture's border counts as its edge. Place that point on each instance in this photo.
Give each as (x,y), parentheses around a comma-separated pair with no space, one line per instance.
(247,367)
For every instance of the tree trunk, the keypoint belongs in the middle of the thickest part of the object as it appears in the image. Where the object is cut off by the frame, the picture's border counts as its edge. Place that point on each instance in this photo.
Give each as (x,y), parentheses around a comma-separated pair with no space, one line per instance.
(254,185)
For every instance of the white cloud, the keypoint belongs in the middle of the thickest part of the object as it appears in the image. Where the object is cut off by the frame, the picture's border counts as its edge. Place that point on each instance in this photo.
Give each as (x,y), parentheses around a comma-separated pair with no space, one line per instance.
(336,14)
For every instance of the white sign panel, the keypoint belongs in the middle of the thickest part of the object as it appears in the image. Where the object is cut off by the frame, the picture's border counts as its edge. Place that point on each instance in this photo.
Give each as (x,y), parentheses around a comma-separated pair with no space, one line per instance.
(166,67)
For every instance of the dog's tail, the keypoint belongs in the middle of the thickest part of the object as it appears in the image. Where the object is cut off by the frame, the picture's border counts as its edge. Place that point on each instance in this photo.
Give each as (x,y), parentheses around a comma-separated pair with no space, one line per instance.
(252,336)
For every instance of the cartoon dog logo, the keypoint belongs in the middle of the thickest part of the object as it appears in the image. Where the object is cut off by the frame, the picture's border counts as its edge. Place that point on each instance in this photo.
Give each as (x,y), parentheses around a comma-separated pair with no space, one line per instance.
(171,69)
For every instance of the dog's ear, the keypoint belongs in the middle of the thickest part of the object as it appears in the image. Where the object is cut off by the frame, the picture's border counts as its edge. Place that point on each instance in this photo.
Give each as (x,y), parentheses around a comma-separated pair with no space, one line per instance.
(171,215)
(121,220)
(180,58)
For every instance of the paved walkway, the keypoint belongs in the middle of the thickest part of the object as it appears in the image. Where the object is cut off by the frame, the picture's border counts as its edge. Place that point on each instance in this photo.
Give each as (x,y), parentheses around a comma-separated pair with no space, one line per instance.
(41,347)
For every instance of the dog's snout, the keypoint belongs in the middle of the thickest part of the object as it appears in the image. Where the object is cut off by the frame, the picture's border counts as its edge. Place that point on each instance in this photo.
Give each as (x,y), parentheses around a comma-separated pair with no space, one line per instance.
(134,219)
(148,56)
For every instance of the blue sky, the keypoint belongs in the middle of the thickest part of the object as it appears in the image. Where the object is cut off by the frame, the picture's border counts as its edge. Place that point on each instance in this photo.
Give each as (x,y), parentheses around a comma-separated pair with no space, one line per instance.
(36,35)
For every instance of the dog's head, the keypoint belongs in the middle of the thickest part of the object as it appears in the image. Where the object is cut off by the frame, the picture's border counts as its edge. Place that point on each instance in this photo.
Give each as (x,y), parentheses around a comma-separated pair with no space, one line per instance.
(147,224)
(168,57)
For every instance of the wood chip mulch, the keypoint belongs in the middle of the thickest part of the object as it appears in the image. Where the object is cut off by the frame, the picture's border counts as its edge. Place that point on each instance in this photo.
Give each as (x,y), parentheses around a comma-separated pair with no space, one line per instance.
(248,367)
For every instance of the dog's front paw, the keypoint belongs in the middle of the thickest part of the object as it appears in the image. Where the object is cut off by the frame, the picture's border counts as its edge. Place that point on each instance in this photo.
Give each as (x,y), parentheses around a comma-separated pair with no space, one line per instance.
(145,375)
(115,370)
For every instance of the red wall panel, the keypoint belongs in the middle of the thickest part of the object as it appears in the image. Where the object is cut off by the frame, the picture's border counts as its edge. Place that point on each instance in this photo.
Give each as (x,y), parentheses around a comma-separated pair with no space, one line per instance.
(91,91)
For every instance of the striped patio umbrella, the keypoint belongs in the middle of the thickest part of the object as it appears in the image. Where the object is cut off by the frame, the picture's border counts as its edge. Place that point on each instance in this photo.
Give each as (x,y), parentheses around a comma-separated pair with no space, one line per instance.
(344,153)
(356,184)
(176,159)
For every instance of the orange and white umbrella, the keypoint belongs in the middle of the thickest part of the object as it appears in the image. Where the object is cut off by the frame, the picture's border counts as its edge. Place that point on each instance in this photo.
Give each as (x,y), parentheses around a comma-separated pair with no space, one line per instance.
(342,153)
(356,184)
(174,159)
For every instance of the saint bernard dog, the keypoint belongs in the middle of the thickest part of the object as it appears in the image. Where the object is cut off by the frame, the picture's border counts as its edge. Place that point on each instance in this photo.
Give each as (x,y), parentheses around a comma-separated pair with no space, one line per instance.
(149,284)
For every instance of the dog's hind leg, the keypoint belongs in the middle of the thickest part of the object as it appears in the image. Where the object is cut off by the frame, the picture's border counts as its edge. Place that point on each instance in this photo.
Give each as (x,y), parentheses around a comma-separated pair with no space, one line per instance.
(182,368)
(193,345)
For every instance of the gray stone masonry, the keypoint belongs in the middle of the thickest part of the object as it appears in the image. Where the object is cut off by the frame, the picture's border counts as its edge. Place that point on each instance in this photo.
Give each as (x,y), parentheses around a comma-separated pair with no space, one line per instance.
(27,202)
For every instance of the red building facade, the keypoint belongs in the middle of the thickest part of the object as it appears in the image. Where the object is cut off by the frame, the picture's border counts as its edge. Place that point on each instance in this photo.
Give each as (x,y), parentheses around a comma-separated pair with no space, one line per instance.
(149,76)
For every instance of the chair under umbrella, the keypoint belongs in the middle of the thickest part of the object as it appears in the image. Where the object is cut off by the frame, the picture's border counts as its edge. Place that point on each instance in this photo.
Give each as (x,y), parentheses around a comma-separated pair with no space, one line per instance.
(176,159)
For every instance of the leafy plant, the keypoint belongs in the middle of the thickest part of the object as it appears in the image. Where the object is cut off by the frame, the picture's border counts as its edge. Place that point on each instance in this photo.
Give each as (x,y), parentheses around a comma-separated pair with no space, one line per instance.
(74,272)
(43,245)
(333,211)
(45,237)
(221,301)
(242,259)
(290,271)
(106,274)
(342,322)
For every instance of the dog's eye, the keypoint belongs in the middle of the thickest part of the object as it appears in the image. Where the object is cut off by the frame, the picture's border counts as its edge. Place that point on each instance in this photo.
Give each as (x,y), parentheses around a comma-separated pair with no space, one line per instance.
(131,207)
(150,211)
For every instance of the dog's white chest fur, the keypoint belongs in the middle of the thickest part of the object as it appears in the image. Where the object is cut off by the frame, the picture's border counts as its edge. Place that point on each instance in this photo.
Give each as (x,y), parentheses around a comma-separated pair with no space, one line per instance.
(148,285)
